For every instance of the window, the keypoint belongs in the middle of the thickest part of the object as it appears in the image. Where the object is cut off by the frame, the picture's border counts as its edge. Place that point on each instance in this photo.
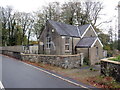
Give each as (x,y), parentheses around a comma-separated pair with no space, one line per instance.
(48,42)
(66,47)
(67,40)
(97,51)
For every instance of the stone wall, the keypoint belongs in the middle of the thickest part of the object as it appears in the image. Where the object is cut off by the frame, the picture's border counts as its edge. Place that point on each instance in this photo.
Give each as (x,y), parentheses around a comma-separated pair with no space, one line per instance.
(12,54)
(64,61)
(110,68)
(13,48)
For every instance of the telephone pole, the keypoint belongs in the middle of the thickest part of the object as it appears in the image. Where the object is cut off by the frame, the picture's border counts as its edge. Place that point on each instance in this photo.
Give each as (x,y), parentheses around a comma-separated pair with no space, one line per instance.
(119,25)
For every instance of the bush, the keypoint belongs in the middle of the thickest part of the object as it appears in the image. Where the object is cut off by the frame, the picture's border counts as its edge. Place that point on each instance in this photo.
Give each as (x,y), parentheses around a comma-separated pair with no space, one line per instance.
(92,69)
(98,63)
(109,53)
(86,61)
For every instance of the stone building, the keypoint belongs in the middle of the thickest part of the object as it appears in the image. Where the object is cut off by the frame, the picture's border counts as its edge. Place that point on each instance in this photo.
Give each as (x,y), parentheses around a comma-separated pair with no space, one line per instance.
(61,39)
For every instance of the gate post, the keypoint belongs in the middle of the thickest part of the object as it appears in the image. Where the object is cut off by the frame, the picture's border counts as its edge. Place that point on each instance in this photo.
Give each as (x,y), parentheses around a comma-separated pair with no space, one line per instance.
(81,58)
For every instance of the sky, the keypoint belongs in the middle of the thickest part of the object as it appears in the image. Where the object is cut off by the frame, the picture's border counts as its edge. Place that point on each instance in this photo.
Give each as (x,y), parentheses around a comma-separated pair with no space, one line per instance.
(109,12)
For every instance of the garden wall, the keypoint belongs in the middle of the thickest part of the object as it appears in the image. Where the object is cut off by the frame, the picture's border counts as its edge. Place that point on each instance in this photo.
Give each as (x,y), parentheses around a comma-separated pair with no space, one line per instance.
(64,61)
(110,68)
(12,54)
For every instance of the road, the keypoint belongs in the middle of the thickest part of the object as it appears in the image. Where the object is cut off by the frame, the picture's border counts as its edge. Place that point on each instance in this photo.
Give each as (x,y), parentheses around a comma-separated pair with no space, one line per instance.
(0,68)
(16,74)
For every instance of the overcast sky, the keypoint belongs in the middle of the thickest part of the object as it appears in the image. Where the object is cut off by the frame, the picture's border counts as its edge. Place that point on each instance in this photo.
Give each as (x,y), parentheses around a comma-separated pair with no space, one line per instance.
(34,5)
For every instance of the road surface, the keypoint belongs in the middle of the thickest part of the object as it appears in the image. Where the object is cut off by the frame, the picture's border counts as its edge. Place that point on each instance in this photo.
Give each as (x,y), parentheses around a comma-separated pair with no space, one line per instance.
(16,74)
(0,68)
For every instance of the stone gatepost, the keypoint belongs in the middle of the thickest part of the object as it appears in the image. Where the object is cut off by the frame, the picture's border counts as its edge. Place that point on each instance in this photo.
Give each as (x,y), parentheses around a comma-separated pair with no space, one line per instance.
(81,58)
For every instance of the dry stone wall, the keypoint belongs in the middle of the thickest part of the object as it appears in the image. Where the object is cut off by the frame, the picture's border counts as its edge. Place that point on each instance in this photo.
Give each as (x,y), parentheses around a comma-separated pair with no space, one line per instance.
(64,61)
(12,54)
(110,68)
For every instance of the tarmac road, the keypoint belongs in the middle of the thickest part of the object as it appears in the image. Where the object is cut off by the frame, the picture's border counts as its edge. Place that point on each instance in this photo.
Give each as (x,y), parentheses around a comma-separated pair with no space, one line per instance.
(16,74)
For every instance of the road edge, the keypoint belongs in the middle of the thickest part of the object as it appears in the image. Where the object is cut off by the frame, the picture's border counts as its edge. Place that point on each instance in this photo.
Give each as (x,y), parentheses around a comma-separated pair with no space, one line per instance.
(1,86)
(56,76)
(50,73)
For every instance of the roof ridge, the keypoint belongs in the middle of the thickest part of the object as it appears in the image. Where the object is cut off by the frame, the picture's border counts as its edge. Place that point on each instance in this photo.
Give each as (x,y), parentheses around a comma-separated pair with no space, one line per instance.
(68,24)
(61,22)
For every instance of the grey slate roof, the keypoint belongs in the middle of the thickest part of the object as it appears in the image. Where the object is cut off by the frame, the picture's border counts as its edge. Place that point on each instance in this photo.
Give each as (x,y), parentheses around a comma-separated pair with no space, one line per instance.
(68,30)
(86,42)
(83,28)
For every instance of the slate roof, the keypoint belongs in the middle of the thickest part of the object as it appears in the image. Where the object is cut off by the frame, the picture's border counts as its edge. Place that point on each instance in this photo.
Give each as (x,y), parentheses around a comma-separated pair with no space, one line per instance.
(68,30)
(82,28)
(86,42)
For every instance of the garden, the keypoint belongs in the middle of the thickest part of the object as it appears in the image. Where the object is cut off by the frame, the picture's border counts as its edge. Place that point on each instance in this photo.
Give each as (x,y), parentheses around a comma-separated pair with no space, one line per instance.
(117,58)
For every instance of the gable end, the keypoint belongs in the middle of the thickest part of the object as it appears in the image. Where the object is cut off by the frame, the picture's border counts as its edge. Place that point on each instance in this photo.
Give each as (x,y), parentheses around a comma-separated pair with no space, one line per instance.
(97,39)
(87,30)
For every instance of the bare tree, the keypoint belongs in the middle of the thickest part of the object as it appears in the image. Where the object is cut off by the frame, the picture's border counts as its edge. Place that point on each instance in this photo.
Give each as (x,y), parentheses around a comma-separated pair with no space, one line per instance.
(68,12)
(52,11)
(8,23)
(24,20)
(92,11)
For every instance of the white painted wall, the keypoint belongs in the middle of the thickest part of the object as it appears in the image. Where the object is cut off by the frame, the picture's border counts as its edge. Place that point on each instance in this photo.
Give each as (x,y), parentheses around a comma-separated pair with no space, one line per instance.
(32,49)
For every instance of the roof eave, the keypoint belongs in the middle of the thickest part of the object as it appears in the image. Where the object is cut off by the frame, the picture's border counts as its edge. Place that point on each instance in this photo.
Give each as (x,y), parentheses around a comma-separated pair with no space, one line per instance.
(88,29)
(95,42)
(82,46)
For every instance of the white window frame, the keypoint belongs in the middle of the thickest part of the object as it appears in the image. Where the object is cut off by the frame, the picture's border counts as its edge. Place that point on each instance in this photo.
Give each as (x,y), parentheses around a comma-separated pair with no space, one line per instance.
(67,44)
(48,42)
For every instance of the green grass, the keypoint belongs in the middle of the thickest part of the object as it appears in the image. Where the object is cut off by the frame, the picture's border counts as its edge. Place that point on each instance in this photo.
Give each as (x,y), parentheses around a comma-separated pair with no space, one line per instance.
(116,59)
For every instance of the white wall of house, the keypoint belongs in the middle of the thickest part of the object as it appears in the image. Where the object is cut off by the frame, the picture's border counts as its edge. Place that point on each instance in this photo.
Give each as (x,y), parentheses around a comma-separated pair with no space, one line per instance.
(32,49)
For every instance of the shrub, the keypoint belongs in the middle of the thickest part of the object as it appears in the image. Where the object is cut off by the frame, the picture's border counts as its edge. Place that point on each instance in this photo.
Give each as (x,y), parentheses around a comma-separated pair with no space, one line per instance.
(86,61)
(92,69)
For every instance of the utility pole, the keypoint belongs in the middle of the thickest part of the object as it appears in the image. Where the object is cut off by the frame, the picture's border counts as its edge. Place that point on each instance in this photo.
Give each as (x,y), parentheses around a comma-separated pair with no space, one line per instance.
(119,25)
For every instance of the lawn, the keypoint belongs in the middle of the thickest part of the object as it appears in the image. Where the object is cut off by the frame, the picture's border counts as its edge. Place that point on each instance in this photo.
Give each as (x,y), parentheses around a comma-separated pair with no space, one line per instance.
(116,58)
